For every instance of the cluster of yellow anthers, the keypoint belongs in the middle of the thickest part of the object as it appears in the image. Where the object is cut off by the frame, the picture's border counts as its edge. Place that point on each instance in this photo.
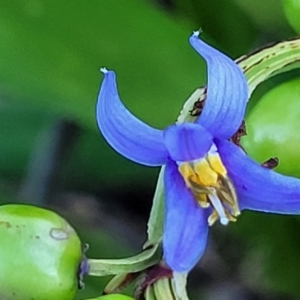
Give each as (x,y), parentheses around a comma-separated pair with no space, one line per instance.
(207,178)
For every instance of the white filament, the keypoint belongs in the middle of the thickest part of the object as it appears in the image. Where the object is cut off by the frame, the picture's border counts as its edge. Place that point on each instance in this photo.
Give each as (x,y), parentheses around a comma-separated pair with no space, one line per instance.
(215,201)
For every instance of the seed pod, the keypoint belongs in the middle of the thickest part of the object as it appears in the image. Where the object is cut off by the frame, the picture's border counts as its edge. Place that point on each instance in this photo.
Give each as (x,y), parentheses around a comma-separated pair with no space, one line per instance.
(40,254)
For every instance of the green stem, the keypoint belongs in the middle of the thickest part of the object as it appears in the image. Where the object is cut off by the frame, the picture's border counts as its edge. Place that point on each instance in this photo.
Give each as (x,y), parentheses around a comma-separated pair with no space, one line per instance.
(156,219)
(142,261)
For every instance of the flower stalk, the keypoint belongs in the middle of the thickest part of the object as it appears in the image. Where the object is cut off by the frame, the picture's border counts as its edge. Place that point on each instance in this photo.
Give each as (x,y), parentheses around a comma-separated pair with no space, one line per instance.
(142,261)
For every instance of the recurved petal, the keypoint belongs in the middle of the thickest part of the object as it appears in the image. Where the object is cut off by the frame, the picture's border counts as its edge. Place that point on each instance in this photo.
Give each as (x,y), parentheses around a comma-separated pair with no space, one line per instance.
(124,132)
(259,188)
(186,227)
(188,141)
(227,91)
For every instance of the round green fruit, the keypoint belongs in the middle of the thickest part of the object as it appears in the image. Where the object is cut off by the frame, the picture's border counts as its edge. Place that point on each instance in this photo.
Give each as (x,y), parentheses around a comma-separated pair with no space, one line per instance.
(292,12)
(40,254)
(273,128)
(112,297)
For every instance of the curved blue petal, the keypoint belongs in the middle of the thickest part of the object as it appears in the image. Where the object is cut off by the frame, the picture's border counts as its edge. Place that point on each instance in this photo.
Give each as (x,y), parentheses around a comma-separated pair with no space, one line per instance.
(186,227)
(259,188)
(186,142)
(227,91)
(124,132)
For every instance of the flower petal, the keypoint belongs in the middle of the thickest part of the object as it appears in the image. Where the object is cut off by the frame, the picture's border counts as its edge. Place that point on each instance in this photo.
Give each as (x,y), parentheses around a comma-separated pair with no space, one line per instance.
(227,91)
(186,227)
(259,188)
(186,142)
(124,132)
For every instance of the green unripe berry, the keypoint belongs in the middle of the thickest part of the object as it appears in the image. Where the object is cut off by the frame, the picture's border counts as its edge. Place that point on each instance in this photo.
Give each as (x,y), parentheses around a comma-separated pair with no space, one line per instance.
(273,128)
(40,254)
(292,12)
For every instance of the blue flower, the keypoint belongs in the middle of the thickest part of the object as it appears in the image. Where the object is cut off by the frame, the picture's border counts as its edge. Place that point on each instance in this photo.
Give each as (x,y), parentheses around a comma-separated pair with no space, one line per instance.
(207,177)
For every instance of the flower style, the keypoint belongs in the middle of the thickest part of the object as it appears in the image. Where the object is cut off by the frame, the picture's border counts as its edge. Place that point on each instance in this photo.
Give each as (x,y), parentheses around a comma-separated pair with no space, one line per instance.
(207,177)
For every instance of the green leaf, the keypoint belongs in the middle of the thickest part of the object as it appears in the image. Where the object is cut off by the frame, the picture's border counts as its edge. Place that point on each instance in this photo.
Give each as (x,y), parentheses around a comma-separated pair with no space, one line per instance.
(267,14)
(221,25)
(52,51)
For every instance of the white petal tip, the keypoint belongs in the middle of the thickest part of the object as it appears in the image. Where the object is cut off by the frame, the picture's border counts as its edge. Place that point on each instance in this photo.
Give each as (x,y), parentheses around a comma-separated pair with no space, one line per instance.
(103,70)
(224,221)
(197,33)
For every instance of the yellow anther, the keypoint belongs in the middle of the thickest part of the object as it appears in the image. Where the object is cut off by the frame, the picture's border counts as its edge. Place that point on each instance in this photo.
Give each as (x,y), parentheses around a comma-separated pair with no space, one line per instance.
(228,195)
(202,200)
(187,173)
(208,180)
(206,175)
(216,164)
(213,218)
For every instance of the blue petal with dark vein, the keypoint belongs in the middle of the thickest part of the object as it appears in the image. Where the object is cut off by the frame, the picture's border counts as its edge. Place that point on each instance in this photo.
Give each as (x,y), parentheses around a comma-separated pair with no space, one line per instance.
(227,91)
(186,227)
(186,142)
(259,188)
(123,131)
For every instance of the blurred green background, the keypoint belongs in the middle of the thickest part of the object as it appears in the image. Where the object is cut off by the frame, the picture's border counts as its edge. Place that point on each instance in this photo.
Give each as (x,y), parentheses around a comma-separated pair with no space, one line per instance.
(52,154)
